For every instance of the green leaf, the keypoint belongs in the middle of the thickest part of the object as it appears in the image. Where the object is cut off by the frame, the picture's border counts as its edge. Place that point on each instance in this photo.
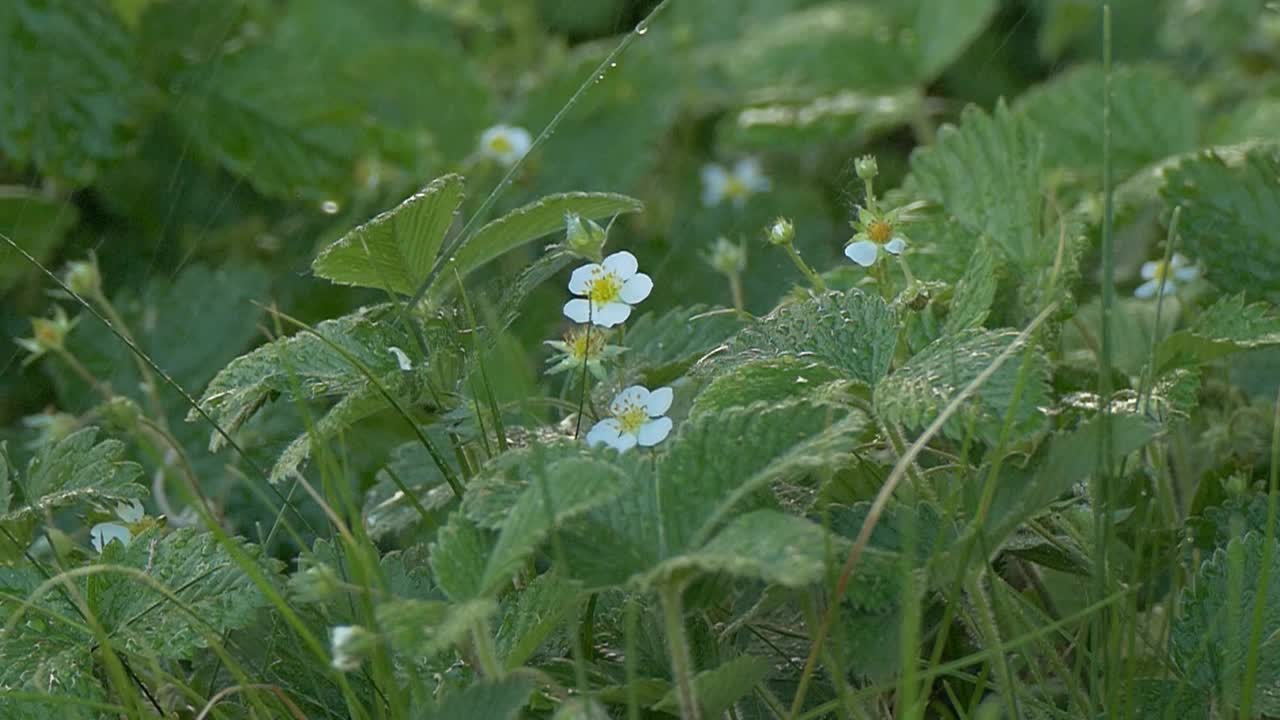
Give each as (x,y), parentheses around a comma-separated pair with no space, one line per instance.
(1226,327)
(1211,637)
(918,391)
(665,346)
(1237,204)
(854,332)
(939,33)
(216,595)
(718,689)
(396,250)
(422,629)
(487,700)
(70,90)
(6,494)
(37,223)
(974,292)
(765,545)
(458,557)
(771,381)
(986,174)
(72,470)
(1158,698)
(526,224)
(1153,116)
(387,510)
(532,615)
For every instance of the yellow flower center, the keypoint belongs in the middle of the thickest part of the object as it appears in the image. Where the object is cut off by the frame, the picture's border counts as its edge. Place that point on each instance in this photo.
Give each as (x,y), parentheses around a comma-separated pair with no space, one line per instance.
(604,288)
(880,231)
(1162,271)
(500,144)
(48,336)
(735,188)
(631,417)
(584,345)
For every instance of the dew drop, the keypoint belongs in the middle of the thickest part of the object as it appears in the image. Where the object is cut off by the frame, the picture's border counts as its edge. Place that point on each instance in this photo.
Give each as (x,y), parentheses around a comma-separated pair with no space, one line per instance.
(613,64)
(642,28)
(329,207)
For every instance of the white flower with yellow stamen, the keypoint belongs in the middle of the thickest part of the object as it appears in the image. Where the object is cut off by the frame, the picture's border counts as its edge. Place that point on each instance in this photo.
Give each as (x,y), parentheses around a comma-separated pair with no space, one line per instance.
(583,346)
(505,143)
(737,185)
(608,290)
(637,417)
(876,234)
(1163,277)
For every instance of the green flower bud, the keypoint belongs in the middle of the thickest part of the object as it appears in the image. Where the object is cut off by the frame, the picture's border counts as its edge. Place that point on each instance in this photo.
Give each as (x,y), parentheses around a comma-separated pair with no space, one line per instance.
(82,277)
(866,167)
(121,413)
(727,258)
(316,584)
(782,232)
(584,237)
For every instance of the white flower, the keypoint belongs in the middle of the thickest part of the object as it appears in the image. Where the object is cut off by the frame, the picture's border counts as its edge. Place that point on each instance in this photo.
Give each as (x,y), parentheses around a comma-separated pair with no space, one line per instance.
(608,290)
(876,234)
(347,645)
(505,143)
(1161,278)
(130,512)
(746,179)
(638,418)
(401,358)
(581,347)
(103,534)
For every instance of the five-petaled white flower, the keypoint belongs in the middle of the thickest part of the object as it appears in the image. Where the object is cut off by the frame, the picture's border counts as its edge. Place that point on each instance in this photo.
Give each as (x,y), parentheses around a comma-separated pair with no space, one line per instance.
(608,290)
(875,234)
(1163,277)
(505,143)
(746,179)
(637,417)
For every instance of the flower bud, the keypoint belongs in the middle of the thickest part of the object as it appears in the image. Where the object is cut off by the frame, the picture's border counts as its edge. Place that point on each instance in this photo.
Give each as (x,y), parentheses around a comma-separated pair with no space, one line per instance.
(316,584)
(121,413)
(727,258)
(584,237)
(782,232)
(866,167)
(83,278)
(348,644)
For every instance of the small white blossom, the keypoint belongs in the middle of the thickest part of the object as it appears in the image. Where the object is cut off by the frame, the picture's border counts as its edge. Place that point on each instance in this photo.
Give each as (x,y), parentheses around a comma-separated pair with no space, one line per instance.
(737,185)
(608,290)
(103,534)
(876,234)
(638,417)
(401,358)
(581,347)
(505,143)
(1161,278)
(347,645)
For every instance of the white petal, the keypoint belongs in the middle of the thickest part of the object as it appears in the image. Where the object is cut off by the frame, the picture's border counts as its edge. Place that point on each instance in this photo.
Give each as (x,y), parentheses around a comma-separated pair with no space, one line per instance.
(1187,273)
(654,432)
(605,432)
(622,263)
(581,277)
(625,442)
(102,534)
(401,359)
(1178,260)
(634,395)
(610,314)
(130,512)
(863,252)
(895,246)
(520,141)
(748,170)
(1149,269)
(578,310)
(636,288)
(659,402)
(1146,289)
(714,179)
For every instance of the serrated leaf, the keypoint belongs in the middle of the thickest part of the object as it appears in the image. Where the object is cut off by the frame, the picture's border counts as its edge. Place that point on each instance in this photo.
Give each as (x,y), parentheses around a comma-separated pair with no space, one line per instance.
(71,88)
(36,222)
(1211,637)
(1239,206)
(458,557)
(974,292)
(488,700)
(386,509)
(200,572)
(665,345)
(985,172)
(532,615)
(526,224)
(1153,116)
(765,545)
(918,391)
(396,250)
(853,332)
(73,470)
(422,629)
(772,381)
(1226,327)
(718,689)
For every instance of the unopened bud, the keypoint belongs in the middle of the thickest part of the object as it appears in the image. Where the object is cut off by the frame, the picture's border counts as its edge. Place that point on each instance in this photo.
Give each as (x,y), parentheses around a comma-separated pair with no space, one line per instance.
(316,584)
(866,167)
(782,232)
(83,278)
(584,237)
(727,258)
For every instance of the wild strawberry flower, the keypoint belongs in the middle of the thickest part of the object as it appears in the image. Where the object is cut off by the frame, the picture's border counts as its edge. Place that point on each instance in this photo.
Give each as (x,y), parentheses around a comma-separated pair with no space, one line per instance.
(637,417)
(505,143)
(104,533)
(875,233)
(1162,278)
(347,646)
(48,335)
(608,290)
(737,185)
(580,346)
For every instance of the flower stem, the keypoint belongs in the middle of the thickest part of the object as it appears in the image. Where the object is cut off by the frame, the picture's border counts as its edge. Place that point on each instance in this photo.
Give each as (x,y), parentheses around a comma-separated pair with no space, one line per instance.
(486,653)
(582,399)
(671,593)
(735,287)
(814,278)
(149,387)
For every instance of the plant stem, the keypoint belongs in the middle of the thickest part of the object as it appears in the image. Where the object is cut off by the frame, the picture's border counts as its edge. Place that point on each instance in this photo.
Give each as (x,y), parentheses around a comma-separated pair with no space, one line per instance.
(486,653)
(814,278)
(735,287)
(671,594)
(149,386)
